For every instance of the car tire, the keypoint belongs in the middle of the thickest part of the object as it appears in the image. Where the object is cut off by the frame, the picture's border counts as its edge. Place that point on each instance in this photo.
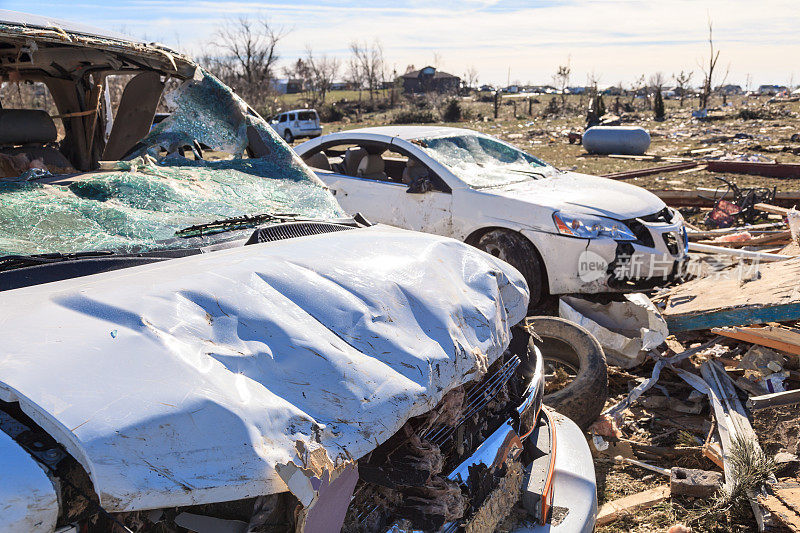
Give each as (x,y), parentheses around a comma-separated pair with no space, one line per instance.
(518,252)
(566,343)
(288,137)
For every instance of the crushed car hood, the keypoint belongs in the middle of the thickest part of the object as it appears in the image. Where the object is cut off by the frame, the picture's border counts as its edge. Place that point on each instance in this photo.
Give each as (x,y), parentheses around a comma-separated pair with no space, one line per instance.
(581,193)
(192,380)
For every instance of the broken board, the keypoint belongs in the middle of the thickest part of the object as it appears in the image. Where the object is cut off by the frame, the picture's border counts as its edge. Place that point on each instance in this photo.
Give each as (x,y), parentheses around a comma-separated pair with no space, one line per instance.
(733,299)
(780,338)
(613,510)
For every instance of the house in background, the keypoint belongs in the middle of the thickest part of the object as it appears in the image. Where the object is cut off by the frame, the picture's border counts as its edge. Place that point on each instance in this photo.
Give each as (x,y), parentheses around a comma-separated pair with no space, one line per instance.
(772,90)
(729,89)
(429,80)
(287,85)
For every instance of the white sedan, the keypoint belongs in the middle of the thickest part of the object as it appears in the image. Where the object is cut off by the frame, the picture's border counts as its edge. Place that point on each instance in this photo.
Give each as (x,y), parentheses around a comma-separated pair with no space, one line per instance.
(565,232)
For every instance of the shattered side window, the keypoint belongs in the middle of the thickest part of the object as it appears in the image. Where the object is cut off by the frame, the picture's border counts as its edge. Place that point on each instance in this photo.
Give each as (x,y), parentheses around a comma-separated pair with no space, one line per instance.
(481,161)
(138,205)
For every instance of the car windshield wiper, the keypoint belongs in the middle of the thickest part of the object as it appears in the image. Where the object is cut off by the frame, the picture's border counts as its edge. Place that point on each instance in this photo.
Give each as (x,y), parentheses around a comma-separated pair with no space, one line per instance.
(10,262)
(235,223)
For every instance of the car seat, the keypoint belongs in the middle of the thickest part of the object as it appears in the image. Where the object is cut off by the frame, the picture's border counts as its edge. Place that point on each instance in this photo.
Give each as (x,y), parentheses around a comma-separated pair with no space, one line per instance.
(31,132)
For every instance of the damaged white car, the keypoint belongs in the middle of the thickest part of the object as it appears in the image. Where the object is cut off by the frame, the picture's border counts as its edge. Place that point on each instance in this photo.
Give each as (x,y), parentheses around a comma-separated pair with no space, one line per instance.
(566,232)
(212,345)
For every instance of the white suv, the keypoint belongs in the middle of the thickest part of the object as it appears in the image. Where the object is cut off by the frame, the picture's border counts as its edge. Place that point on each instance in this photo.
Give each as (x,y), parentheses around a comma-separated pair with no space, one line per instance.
(297,123)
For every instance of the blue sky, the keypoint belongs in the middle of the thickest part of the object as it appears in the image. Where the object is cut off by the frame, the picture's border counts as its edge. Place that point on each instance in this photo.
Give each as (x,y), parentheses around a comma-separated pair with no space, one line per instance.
(618,40)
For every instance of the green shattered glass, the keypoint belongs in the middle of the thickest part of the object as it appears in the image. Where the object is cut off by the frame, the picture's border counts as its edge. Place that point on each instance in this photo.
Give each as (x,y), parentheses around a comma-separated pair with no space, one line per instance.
(142,203)
(132,210)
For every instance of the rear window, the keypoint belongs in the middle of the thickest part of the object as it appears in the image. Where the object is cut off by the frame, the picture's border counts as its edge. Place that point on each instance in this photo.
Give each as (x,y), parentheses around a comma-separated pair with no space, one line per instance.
(306,115)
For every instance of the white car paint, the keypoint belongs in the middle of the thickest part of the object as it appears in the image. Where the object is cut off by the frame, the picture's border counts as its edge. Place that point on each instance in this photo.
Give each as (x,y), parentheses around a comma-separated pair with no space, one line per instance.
(526,207)
(190,381)
(28,501)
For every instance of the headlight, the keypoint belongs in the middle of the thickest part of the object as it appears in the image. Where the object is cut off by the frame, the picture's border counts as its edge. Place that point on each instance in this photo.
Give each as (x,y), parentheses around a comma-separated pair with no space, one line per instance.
(589,227)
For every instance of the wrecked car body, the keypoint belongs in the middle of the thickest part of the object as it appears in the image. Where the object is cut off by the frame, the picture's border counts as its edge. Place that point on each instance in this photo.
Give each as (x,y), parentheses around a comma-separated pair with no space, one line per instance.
(214,343)
(566,232)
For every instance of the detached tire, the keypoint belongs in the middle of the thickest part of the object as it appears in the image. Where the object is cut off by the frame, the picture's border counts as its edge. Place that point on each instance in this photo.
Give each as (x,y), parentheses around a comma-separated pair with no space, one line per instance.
(569,344)
(518,252)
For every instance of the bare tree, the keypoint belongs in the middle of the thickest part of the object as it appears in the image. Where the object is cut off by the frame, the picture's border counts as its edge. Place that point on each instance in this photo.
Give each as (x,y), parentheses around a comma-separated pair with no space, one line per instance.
(471,77)
(561,81)
(708,69)
(638,87)
(682,80)
(252,44)
(322,71)
(245,56)
(367,65)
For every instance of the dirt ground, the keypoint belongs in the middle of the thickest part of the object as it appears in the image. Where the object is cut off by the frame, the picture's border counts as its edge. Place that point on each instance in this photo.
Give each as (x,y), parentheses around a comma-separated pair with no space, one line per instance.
(651,423)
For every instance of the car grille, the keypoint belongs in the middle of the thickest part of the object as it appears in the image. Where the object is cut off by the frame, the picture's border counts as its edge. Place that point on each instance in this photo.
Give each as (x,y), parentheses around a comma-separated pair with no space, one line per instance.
(643,235)
(293,230)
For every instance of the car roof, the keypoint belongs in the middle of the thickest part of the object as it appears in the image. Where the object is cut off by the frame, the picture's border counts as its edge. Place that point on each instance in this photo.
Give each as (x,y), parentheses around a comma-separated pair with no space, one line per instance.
(411,132)
(296,111)
(16,18)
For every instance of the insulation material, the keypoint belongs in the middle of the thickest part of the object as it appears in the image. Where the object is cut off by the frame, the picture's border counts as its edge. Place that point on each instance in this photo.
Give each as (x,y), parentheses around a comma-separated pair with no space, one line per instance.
(626,330)
(189,381)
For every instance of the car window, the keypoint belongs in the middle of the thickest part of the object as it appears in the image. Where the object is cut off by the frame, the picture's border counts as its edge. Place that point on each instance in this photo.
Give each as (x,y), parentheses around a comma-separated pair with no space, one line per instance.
(282,118)
(291,116)
(481,161)
(306,115)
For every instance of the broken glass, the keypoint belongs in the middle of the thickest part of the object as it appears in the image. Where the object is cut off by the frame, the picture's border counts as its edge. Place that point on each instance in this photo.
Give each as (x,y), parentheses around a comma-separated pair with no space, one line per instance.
(481,161)
(142,203)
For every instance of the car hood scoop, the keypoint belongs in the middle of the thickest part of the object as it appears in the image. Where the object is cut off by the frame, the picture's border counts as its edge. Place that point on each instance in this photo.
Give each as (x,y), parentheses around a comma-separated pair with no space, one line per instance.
(195,380)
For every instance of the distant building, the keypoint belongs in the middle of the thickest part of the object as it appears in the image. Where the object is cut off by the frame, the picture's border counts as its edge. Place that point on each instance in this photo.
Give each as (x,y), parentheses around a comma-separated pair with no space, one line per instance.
(772,90)
(614,91)
(729,89)
(429,80)
(341,86)
(288,85)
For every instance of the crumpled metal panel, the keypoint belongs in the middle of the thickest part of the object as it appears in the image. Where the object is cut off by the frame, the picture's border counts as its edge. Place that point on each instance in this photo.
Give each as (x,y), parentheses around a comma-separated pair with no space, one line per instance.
(190,380)
(28,501)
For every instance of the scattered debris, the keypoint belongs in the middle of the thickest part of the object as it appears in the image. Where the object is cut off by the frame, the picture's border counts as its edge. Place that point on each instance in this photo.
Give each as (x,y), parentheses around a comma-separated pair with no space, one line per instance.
(756,295)
(626,329)
(695,483)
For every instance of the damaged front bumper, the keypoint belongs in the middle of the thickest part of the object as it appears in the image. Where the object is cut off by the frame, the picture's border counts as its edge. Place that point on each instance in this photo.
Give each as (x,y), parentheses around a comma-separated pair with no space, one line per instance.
(535,458)
(602,264)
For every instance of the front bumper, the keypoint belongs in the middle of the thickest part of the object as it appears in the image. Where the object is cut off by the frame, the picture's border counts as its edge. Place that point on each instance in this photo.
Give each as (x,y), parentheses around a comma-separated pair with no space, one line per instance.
(574,496)
(587,266)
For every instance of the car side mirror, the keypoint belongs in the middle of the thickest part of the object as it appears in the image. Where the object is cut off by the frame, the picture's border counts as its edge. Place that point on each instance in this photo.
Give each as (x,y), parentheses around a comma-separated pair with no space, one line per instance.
(420,185)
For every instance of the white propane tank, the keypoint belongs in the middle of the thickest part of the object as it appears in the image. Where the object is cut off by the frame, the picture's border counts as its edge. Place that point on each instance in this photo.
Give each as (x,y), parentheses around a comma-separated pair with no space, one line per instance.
(626,140)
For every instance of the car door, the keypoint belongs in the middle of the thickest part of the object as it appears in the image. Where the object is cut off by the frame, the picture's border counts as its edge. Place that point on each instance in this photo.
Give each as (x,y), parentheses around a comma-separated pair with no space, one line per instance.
(388,201)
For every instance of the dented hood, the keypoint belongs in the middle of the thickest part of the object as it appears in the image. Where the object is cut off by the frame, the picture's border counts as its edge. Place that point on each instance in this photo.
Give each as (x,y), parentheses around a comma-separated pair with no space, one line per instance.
(192,380)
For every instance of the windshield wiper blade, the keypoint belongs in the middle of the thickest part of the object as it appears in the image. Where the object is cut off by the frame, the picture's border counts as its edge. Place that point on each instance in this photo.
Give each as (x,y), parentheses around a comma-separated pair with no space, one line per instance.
(10,262)
(235,223)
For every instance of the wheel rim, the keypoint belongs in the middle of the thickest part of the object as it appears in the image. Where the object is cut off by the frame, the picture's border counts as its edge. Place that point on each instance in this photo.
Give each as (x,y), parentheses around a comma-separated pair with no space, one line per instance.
(561,365)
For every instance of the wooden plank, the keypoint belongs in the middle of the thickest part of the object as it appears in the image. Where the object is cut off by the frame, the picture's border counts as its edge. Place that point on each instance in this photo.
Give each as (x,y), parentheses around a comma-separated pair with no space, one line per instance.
(641,172)
(783,339)
(705,198)
(767,292)
(755,241)
(773,170)
(611,511)
(769,208)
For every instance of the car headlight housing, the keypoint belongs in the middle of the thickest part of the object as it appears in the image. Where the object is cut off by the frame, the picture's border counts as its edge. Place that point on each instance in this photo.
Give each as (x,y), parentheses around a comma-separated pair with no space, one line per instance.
(590,227)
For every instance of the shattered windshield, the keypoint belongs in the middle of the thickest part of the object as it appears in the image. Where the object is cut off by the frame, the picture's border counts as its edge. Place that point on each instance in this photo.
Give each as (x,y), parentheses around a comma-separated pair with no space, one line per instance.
(481,161)
(138,205)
